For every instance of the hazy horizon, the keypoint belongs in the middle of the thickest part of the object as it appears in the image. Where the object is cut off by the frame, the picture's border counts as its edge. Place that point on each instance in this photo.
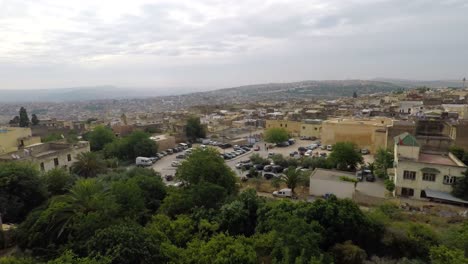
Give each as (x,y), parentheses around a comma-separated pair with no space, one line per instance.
(204,45)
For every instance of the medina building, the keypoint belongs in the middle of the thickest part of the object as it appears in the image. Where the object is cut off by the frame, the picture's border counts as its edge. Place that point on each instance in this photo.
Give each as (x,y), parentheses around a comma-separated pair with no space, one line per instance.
(424,175)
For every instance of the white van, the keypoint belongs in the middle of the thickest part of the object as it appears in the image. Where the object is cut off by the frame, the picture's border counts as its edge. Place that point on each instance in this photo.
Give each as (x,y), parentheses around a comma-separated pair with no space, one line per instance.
(283,193)
(143,162)
(183,145)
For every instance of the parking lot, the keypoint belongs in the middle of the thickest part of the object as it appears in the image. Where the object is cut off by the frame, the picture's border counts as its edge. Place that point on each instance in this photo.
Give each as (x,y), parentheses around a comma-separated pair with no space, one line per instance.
(163,166)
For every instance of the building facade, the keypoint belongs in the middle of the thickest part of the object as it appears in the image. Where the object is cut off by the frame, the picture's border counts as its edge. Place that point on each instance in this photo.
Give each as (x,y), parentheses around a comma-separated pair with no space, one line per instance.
(13,138)
(418,174)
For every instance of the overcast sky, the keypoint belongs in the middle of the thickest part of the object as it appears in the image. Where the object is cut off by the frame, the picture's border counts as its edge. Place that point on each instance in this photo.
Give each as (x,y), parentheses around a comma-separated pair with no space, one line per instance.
(216,44)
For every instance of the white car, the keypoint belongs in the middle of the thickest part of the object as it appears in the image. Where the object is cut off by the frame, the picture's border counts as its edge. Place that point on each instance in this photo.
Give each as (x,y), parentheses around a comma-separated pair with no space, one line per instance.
(283,193)
(308,153)
(329,147)
(175,163)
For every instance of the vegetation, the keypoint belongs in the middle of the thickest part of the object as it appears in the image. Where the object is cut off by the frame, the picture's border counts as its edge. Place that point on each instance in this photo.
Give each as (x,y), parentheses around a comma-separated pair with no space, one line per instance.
(100,137)
(460,153)
(134,145)
(88,165)
(130,216)
(276,135)
(34,120)
(293,177)
(23,117)
(383,161)
(460,188)
(344,156)
(194,129)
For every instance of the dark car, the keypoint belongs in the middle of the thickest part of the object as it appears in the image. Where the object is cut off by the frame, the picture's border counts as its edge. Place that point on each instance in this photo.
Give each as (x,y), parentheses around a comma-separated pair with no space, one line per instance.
(180,156)
(245,148)
(228,156)
(370,177)
(259,166)
(277,169)
(169,177)
(294,153)
(225,145)
(268,176)
(267,168)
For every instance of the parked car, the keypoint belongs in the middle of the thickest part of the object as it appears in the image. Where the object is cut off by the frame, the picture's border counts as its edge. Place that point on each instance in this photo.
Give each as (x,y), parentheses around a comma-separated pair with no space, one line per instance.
(227,156)
(283,193)
(293,153)
(180,156)
(268,176)
(283,144)
(153,159)
(308,153)
(267,168)
(247,149)
(259,166)
(164,153)
(169,151)
(169,177)
(257,148)
(175,163)
(244,178)
(365,151)
(271,154)
(277,169)
(225,145)
(329,147)
(323,155)
(143,162)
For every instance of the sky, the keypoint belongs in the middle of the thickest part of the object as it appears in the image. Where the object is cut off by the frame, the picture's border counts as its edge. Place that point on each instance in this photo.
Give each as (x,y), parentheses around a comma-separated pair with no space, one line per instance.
(207,44)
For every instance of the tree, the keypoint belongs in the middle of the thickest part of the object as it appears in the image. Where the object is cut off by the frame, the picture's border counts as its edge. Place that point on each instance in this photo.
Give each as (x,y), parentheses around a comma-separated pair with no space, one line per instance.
(23,117)
(15,121)
(276,135)
(123,243)
(348,253)
(355,94)
(442,255)
(383,161)
(68,257)
(389,185)
(221,249)
(21,190)
(345,156)
(214,170)
(292,178)
(134,145)
(459,152)
(88,164)
(257,159)
(57,181)
(194,129)
(460,188)
(34,120)
(100,137)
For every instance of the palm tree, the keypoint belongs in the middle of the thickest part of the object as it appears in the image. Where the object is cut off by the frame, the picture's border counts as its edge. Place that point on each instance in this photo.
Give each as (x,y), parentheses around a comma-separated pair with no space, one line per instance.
(292,178)
(88,164)
(86,196)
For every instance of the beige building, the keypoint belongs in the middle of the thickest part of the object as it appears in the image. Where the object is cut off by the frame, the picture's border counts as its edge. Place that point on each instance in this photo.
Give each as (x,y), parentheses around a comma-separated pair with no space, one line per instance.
(311,128)
(365,133)
(12,138)
(460,109)
(293,127)
(48,155)
(424,175)
(164,141)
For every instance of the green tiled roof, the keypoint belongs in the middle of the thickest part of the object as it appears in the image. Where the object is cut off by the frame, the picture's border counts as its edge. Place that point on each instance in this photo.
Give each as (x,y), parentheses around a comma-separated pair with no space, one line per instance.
(406,139)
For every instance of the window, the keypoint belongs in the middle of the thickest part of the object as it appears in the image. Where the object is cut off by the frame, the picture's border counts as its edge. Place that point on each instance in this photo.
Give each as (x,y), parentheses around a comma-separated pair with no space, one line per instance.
(315,128)
(449,179)
(69,157)
(407,192)
(303,127)
(56,162)
(429,177)
(281,125)
(285,125)
(409,175)
(42,166)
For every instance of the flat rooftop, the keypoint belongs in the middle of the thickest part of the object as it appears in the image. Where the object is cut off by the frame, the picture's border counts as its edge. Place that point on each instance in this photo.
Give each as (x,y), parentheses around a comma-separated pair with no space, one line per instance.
(436,159)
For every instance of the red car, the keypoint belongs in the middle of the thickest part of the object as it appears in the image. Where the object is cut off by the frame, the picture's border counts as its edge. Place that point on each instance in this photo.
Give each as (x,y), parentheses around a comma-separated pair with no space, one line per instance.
(257,148)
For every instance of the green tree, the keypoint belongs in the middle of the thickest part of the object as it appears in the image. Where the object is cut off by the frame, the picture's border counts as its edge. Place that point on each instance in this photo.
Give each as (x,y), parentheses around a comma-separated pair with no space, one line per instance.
(276,135)
(194,129)
(15,121)
(383,161)
(389,185)
(257,159)
(100,137)
(68,257)
(15,260)
(134,145)
(459,152)
(355,94)
(88,164)
(23,117)
(123,243)
(57,181)
(221,249)
(214,170)
(348,253)
(34,120)
(443,255)
(460,188)
(21,190)
(293,178)
(345,156)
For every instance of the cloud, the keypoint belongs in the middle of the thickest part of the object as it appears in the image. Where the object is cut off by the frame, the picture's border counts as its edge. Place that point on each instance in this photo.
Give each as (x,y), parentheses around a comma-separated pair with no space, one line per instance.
(205,40)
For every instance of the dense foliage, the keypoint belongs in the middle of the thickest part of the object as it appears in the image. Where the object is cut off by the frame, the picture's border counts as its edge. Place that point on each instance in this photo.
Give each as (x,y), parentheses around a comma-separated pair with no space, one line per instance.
(130,216)
(100,137)
(134,145)
(276,135)
(194,129)
(345,156)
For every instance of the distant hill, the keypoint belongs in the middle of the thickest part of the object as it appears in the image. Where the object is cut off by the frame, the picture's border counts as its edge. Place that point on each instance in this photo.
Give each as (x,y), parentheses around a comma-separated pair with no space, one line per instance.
(430,84)
(304,89)
(82,94)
